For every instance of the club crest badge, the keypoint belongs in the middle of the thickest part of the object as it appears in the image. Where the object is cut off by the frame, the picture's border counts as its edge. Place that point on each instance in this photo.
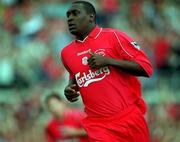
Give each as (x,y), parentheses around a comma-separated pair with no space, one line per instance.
(100,52)
(84,60)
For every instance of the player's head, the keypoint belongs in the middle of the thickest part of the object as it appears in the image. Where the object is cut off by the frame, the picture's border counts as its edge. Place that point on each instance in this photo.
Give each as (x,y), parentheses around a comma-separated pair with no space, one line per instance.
(55,104)
(81,17)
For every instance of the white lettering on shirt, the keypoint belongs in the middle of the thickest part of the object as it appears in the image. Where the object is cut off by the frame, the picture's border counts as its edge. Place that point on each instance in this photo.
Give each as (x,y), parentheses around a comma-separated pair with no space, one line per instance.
(83,52)
(84,79)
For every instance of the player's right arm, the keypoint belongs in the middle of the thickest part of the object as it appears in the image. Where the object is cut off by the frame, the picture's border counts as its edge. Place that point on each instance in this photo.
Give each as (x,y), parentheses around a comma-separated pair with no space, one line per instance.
(71,91)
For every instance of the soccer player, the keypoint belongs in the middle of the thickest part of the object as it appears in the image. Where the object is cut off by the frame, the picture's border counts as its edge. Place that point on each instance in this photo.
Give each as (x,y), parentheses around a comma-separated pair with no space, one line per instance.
(103,64)
(66,124)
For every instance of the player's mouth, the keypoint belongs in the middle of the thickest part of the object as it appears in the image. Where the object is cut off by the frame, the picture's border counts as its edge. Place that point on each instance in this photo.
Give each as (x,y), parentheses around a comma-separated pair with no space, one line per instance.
(72,27)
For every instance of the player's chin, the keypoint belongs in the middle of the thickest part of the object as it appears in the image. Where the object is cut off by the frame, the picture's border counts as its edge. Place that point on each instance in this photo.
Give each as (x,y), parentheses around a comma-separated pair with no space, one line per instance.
(73,31)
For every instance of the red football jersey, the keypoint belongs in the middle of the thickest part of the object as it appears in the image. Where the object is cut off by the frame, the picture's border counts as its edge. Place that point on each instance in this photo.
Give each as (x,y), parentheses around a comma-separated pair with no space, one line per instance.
(105,91)
(72,118)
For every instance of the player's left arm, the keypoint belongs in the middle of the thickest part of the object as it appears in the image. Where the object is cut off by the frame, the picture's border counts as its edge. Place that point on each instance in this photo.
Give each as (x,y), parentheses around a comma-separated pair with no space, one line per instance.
(131,60)
(130,67)
(72,132)
(97,61)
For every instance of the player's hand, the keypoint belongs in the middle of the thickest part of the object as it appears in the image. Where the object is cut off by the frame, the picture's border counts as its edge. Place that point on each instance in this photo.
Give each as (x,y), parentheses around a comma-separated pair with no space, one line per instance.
(97,61)
(69,131)
(72,92)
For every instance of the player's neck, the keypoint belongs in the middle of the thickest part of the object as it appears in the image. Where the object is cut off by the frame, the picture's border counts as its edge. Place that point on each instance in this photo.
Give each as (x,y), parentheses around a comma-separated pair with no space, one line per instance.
(61,114)
(86,33)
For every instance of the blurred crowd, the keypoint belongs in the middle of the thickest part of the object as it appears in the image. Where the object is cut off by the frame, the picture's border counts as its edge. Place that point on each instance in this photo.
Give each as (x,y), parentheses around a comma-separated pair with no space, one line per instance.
(32,34)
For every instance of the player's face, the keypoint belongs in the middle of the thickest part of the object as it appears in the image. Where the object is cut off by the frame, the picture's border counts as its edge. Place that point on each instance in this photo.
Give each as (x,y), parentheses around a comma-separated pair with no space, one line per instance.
(56,107)
(78,19)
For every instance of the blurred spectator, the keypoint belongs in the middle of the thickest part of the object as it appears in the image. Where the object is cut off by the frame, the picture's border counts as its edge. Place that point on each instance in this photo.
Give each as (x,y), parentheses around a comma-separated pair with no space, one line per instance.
(161,52)
(6,72)
(51,68)
(173,112)
(109,9)
(65,123)
(28,112)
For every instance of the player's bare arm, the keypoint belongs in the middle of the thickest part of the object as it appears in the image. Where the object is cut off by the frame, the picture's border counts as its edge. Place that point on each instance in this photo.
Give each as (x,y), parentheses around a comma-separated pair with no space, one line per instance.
(71,91)
(131,67)
(73,132)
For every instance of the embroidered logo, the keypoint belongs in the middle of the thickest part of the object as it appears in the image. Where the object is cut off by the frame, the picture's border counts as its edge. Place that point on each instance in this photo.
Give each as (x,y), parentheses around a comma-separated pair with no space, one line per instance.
(100,52)
(83,52)
(84,60)
(136,45)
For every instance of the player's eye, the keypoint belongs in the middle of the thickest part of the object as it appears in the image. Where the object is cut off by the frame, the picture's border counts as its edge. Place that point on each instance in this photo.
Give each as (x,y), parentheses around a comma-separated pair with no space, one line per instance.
(68,14)
(75,13)
(72,13)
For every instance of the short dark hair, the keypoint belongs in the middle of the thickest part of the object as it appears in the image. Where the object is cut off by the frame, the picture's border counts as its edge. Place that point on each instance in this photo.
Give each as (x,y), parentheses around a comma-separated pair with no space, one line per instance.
(52,95)
(90,9)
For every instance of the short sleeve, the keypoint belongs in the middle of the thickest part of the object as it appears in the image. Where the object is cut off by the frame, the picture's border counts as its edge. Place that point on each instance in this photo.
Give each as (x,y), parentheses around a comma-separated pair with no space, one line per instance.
(128,49)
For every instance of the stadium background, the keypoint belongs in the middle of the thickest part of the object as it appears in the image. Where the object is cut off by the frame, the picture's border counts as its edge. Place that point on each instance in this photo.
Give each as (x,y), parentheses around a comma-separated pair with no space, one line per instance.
(33,32)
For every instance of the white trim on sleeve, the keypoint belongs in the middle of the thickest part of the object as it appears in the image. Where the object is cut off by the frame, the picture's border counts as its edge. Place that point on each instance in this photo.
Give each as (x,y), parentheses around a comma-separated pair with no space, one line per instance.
(121,45)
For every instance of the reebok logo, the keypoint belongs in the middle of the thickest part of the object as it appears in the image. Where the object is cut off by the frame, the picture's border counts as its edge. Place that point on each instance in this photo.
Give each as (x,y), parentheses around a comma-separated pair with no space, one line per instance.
(84,79)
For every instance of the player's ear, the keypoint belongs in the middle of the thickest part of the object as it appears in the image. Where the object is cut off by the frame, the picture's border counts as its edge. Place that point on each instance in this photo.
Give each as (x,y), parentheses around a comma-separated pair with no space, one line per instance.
(91,17)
